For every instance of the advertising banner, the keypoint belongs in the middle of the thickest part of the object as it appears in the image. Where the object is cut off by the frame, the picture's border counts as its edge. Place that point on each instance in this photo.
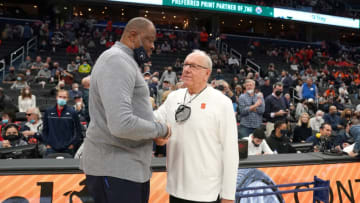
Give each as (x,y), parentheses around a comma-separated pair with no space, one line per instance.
(68,188)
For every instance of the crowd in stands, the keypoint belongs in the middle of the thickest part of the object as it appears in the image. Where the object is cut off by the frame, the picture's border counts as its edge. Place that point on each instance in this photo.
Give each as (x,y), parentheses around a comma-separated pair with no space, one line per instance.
(314,93)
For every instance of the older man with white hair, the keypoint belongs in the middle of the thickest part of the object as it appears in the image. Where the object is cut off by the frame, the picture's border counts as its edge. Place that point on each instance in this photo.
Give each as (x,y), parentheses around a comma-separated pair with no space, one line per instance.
(202,152)
(315,122)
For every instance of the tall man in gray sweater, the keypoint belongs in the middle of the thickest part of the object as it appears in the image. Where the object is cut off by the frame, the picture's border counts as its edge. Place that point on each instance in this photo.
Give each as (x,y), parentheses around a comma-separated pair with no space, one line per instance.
(118,146)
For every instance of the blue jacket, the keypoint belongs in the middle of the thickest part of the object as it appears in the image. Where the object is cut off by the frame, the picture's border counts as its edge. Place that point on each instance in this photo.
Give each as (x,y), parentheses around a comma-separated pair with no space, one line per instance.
(355,132)
(309,92)
(61,132)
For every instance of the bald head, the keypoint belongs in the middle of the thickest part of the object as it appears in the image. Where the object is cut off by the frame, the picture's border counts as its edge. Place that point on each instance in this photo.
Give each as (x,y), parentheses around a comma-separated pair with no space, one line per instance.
(138,24)
(139,32)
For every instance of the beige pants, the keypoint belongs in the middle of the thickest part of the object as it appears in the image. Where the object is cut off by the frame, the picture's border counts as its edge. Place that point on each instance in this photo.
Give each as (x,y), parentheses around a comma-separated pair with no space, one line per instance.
(269,129)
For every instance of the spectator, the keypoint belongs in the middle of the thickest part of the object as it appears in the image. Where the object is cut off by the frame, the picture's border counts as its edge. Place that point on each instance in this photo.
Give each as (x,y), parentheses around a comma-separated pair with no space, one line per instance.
(344,138)
(7,117)
(85,68)
(165,87)
(26,99)
(323,140)
(330,91)
(44,74)
(26,64)
(275,108)
(44,47)
(79,107)
(37,65)
(301,108)
(234,64)
(315,122)
(86,86)
(257,143)
(168,75)
(302,130)
(266,88)
(11,77)
(28,77)
(234,82)
(28,32)
(6,102)
(20,82)
(12,137)
(72,67)
(34,124)
(272,73)
(286,80)
(251,108)
(61,131)
(309,90)
(72,48)
(165,47)
(204,39)
(333,118)
(345,117)
(278,141)
(75,91)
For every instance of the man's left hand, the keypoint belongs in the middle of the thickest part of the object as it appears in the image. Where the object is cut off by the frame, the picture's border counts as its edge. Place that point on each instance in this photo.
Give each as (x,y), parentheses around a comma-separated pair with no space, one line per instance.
(227,201)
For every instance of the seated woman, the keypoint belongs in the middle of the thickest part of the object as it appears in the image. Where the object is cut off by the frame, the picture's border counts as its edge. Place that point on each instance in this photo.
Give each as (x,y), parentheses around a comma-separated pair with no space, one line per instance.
(302,130)
(26,99)
(12,137)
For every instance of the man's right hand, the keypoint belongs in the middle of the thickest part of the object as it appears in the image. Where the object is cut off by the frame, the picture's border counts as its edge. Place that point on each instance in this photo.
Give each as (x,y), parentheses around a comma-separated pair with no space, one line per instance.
(161,141)
(280,113)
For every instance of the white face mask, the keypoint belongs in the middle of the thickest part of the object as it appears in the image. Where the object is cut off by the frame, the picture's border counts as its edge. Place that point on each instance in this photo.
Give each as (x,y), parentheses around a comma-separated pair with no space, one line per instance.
(318,118)
(79,103)
(76,89)
(250,91)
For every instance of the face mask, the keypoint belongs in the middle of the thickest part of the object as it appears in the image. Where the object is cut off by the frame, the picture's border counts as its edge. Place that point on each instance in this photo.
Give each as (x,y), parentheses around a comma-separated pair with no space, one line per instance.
(332,113)
(61,102)
(278,93)
(19,78)
(141,56)
(256,145)
(348,116)
(11,137)
(283,132)
(318,118)
(62,87)
(169,70)
(79,103)
(250,91)
(28,73)
(32,121)
(76,89)
(5,121)
(77,61)
(12,71)
(45,69)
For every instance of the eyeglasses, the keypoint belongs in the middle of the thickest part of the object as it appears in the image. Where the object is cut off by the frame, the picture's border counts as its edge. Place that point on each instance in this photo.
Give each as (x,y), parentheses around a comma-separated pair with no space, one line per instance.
(182,113)
(194,66)
(28,114)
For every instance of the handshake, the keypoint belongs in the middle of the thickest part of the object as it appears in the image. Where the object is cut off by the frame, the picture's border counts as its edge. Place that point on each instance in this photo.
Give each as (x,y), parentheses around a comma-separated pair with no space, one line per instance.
(161,141)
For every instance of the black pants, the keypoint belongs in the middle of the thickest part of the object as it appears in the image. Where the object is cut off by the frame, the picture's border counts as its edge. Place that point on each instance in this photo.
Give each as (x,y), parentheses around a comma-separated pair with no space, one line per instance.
(105,189)
(178,200)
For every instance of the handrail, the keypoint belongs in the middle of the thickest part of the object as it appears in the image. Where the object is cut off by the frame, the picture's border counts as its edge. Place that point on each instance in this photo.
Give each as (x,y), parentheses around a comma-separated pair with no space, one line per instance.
(249,61)
(12,58)
(3,68)
(30,44)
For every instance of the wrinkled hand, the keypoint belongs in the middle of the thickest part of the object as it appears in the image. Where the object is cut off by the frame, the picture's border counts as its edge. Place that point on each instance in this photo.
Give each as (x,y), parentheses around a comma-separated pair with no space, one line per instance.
(161,141)
(28,133)
(6,143)
(258,102)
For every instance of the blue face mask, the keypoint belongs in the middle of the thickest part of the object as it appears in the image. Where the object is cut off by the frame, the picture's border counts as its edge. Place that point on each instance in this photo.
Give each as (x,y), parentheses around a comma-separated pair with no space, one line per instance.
(32,121)
(5,121)
(61,102)
(19,78)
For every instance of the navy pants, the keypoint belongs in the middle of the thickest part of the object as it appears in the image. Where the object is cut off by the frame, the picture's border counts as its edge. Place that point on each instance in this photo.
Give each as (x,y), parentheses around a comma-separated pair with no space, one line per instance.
(178,200)
(106,189)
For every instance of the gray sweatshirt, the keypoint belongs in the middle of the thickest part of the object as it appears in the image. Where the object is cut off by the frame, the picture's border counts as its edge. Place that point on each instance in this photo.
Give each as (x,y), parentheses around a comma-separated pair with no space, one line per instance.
(120,135)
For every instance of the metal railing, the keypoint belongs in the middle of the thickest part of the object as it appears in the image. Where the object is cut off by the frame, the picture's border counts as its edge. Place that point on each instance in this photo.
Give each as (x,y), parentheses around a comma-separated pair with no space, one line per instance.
(19,53)
(32,43)
(321,190)
(2,69)
(252,64)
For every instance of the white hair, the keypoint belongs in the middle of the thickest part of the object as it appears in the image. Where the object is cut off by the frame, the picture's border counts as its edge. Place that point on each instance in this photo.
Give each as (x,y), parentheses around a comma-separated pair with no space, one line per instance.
(205,55)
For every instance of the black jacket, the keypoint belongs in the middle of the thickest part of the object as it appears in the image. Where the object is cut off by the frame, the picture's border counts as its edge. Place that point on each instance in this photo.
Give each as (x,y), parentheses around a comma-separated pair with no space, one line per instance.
(281,145)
